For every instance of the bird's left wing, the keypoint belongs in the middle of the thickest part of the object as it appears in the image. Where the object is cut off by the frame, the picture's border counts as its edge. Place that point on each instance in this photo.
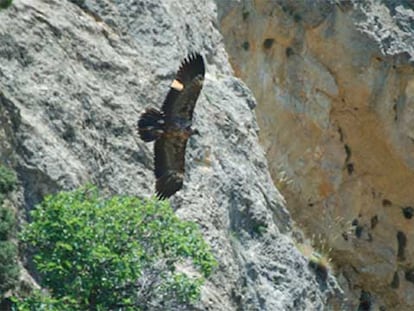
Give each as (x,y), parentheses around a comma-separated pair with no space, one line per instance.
(185,89)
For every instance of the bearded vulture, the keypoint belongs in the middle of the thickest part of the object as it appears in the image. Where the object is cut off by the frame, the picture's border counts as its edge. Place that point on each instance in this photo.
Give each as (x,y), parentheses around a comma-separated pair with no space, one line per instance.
(170,128)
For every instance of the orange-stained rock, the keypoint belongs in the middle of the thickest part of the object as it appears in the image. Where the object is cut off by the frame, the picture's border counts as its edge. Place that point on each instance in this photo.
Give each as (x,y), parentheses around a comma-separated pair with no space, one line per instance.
(337,122)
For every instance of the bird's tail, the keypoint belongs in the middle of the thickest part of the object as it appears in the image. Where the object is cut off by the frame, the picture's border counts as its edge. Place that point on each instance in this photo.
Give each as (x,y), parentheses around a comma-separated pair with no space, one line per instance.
(151,125)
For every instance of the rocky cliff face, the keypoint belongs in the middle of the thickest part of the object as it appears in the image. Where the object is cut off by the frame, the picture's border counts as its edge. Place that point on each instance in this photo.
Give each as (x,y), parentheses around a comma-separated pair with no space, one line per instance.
(74,77)
(334,83)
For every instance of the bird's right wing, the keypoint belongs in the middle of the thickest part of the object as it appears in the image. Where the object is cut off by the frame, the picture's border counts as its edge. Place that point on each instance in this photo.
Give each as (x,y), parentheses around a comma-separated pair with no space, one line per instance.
(169,153)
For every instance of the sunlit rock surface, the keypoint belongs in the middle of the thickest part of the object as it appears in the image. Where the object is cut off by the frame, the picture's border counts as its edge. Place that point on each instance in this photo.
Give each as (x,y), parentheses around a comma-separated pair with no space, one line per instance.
(334,82)
(74,77)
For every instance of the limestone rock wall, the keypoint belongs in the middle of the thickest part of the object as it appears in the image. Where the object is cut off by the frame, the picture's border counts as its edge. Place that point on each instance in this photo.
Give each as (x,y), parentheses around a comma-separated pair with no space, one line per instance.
(74,77)
(334,82)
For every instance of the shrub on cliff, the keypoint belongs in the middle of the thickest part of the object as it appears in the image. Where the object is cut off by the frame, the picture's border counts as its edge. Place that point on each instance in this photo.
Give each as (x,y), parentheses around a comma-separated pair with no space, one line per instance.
(7,181)
(4,4)
(119,253)
(9,270)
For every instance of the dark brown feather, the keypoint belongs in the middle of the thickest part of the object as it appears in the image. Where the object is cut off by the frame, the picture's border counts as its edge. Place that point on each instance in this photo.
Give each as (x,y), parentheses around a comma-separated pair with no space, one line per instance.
(175,128)
(182,103)
(169,184)
(169,154)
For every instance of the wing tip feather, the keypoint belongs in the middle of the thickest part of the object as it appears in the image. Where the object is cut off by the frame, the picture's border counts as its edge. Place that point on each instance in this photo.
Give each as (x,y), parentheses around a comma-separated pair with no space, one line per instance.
(168,184)
(192,65)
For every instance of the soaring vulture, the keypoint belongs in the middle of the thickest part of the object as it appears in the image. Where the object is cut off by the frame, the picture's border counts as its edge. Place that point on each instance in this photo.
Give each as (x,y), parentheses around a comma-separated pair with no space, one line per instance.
(171,127)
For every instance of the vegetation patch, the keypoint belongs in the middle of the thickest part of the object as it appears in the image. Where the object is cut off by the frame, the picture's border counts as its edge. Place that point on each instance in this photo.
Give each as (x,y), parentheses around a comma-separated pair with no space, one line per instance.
(319,262)
(9,269)
(118,253)
(4,4)
(7,180)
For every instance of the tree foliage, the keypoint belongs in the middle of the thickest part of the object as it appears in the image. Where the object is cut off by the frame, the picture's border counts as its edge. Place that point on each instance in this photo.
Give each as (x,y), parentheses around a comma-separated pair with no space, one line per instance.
(42,301)
(4,4)
(118,253)
(9,269)
(7,181)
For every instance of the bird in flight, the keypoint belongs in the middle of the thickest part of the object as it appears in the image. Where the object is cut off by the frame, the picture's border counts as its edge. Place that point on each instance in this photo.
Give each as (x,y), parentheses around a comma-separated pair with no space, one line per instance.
(170,128)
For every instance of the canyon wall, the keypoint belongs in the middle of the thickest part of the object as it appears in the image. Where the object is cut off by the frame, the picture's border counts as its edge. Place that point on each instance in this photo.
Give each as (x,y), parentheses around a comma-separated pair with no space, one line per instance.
(74,78)
(334,82)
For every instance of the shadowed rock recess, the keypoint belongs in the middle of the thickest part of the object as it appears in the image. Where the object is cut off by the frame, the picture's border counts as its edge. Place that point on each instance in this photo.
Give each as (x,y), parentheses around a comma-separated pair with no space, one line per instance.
(334,82)
(74,77)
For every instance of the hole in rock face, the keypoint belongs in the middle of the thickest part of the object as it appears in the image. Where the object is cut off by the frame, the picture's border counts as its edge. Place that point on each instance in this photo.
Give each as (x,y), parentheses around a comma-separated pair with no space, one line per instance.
(364,301)
(246,46)
(340,132)
(408,212)
(347,152)
(395,112)
(289,52)
(409,275)
(395,281)
(374,221)
(267,43)
(358,231)
(69,134)
(350,168)
(402,243)
(386,202)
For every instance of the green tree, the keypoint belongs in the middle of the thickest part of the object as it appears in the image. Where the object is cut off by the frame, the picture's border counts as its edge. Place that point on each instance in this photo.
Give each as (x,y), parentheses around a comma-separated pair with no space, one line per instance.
(42,301)
(4,4)
(7,182)
(9,269)
(119,253)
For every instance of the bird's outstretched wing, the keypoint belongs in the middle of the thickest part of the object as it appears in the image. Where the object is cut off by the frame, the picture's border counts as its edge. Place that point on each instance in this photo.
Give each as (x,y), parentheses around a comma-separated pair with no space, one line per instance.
(177,109)
(185,89)
(169,165)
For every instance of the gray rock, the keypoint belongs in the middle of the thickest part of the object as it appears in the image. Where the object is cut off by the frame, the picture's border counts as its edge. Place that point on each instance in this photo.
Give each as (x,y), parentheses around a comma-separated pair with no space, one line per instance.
(390,23)
(335,91)
(74,78)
